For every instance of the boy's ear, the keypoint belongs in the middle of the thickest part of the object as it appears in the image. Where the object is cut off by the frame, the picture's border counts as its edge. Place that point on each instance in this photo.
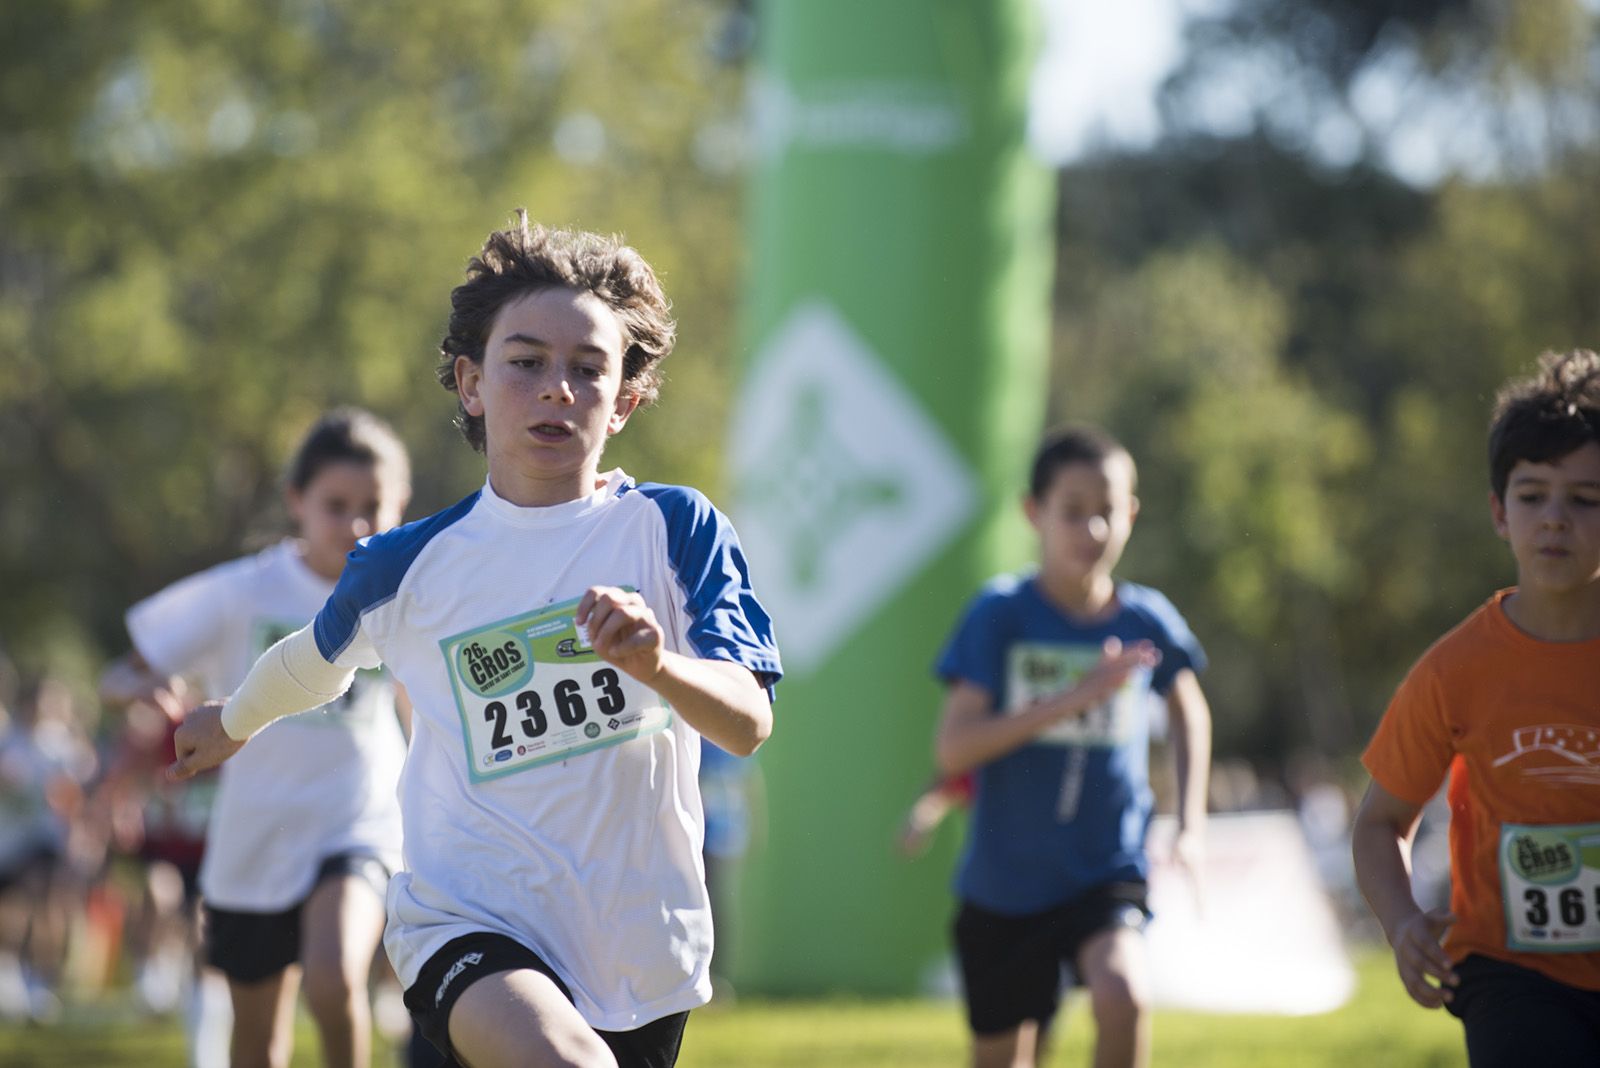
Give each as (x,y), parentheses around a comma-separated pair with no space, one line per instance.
(627,403)
(1497,512)
(468,374)
(293,503)
(1133,508)
(1030,508)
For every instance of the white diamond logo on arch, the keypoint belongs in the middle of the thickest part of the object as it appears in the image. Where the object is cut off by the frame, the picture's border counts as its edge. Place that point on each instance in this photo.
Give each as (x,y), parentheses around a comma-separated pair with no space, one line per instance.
(843,486)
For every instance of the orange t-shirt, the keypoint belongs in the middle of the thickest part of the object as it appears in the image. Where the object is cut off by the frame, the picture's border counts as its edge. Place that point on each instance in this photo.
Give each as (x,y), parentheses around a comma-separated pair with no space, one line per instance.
(1515,722)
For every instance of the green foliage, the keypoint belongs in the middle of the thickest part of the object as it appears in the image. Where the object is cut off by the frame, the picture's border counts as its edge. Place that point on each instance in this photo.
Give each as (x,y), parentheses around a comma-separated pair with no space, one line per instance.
(220,218)
(1303,357)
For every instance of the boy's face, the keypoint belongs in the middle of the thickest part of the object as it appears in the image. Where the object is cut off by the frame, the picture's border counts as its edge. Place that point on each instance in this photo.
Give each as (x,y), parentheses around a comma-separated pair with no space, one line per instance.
(550,393)
(1551,518)
(1084,518)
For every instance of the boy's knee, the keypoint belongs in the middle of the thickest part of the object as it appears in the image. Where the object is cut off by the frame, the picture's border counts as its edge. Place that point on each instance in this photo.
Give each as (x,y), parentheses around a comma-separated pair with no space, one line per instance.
(328,988)
(1118,1001)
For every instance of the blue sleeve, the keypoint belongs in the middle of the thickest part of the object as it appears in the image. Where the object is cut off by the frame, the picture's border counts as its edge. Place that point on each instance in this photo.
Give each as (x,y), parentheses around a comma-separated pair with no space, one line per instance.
(727,622)
(371,577)
(975,652)
(1179,647)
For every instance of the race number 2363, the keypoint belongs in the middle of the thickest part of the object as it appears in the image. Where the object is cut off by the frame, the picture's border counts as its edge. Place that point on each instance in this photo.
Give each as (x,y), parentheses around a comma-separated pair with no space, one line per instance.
(531,691)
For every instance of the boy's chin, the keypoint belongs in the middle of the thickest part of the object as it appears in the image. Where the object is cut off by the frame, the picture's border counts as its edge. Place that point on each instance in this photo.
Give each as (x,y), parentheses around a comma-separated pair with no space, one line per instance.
(1078,575)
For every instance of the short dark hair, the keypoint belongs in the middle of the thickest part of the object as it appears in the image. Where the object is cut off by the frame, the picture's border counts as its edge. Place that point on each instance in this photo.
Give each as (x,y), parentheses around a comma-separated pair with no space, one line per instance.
(1545,415)
(1074,445)
(526,258)
(350,434)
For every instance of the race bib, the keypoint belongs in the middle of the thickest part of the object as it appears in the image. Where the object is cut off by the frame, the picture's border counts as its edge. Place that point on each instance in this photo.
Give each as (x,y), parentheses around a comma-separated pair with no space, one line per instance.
(1550,878)
(531,691)
(1038,671)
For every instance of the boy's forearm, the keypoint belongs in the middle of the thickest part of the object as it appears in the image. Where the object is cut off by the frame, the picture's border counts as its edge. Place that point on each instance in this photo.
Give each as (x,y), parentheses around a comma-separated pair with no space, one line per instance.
(1192,767)
(977,742)
(289,677)
(129,679)
(1189,714)
(720,699)
(1383,872)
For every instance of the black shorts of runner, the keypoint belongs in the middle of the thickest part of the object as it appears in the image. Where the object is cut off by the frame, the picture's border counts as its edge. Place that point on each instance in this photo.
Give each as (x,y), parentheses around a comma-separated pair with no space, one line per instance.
(1515,1017)
(465,960)
(248,947)
(1011,966)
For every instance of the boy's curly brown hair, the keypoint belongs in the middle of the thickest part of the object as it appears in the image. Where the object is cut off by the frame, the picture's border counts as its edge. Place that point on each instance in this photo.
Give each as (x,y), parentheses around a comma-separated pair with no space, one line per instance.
(1546,415)
(525,258)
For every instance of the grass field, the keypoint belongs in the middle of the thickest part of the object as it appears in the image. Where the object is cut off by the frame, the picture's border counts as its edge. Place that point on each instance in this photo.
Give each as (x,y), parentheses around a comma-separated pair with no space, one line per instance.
(1379,1026)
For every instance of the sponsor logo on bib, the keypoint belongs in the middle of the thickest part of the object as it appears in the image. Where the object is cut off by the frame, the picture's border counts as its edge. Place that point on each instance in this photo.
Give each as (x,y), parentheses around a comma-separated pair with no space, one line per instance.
(494,663)
(1542,857)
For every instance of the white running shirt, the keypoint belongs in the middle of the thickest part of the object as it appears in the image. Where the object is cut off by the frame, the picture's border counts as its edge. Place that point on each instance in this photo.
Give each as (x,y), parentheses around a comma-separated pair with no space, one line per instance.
(548,796)
(306,787)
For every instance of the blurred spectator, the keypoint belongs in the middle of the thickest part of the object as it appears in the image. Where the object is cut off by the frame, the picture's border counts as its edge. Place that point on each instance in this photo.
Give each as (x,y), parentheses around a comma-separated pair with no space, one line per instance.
(45,761)
(725,782)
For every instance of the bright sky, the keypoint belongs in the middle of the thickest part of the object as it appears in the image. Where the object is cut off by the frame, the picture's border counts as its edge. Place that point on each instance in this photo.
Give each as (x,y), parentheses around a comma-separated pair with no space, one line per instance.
(1101,65)
(1104,60)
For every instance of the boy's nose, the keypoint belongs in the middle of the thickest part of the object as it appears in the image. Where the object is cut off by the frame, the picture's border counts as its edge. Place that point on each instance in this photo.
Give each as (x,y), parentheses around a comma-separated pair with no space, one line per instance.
(556,389)
(1554,514)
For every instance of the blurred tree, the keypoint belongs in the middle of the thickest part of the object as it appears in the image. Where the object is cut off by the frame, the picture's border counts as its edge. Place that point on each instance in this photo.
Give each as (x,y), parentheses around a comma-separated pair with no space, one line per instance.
(1300,338)
(1456,84)
(219,217)
(1244,474)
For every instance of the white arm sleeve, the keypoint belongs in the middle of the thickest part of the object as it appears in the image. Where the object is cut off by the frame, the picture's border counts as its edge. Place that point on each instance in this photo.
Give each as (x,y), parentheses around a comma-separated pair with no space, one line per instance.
(290,677)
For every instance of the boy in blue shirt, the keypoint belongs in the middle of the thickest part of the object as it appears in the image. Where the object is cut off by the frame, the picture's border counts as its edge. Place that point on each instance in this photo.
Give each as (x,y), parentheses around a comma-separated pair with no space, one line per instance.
(1048,677)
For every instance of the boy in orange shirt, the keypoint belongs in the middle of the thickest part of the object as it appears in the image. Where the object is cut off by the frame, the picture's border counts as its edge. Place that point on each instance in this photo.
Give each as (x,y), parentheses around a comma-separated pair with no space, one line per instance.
(1508,704)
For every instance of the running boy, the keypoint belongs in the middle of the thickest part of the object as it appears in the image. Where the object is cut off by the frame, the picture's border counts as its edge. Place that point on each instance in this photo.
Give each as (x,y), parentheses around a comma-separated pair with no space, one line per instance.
(1508,706)
(1048,676)
(567,637)
(305,828)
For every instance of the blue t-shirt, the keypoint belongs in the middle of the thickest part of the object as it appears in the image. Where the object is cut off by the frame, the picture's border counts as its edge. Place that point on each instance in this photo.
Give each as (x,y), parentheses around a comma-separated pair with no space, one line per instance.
(1069,810)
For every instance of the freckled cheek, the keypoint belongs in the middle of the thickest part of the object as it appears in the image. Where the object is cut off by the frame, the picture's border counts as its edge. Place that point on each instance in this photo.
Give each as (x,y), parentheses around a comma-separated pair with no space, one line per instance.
(519,386)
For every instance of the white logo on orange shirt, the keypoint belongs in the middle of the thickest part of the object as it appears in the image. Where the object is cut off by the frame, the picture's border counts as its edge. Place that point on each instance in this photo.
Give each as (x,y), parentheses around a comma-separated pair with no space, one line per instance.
(1571,753)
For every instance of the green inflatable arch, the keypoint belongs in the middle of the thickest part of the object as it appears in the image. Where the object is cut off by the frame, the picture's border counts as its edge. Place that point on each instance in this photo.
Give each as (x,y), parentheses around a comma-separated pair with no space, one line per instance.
(897,332)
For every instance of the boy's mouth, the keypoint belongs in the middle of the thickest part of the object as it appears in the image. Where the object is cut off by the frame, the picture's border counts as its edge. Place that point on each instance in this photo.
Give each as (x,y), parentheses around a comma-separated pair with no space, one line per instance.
(551,432)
